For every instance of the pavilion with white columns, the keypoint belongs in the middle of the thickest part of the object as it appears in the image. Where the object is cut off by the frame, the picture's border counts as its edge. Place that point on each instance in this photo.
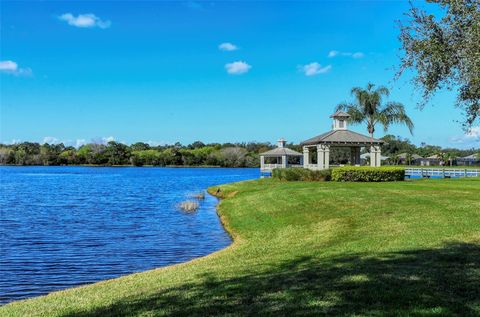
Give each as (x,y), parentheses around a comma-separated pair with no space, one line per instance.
(340,136)
(279,157)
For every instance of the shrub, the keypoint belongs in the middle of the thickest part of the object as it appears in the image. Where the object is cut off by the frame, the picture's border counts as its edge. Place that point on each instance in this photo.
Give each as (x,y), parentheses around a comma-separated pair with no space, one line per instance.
(199,196)
(301,174)
(368,174)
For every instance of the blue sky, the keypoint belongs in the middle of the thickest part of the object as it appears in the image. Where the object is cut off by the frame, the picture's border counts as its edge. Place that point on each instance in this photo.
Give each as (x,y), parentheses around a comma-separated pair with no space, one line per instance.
(156,71)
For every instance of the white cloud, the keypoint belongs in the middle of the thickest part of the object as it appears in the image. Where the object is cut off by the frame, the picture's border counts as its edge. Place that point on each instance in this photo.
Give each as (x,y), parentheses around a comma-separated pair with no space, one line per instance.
(358,55)
(314,68)
(237,68)
(67,142)
(474,133)
(10,67)
(155,143)
(355,55)
(333,53)
(51,140)
(472,137)
(227,47)
(14,141)
(80,142)
(103,140)
(88,20)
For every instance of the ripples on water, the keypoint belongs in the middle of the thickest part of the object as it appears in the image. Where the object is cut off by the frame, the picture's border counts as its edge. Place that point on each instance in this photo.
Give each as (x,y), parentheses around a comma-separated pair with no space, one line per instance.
(67,226)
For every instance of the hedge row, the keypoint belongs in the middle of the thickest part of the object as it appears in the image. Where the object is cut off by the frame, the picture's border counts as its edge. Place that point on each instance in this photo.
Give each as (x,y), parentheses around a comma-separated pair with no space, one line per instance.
(368,174)
(301,174)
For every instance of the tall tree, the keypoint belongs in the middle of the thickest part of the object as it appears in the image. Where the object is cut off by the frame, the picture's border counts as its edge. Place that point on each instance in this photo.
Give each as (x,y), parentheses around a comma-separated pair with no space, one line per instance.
(117,153)
(445,52)
(368,107)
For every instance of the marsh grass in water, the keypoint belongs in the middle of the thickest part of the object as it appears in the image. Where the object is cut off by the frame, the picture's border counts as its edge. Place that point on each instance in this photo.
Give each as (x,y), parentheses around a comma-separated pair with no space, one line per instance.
(189,205)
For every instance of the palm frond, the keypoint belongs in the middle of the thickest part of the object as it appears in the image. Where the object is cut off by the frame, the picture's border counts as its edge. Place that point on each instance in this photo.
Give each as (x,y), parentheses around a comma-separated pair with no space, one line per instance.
(356,115)
(394,112)
(382,91)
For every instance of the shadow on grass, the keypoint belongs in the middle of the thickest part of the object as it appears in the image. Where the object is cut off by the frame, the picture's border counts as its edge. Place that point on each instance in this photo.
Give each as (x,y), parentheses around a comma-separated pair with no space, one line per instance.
(433,282)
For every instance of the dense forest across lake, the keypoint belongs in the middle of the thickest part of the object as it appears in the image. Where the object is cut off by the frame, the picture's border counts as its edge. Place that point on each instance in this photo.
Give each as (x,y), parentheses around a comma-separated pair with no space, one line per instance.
(195,154)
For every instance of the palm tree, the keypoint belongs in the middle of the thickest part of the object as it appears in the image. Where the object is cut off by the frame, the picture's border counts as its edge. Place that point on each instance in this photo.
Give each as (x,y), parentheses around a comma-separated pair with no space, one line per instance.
(447,158)
(394,159)
(408,158)
(369,108)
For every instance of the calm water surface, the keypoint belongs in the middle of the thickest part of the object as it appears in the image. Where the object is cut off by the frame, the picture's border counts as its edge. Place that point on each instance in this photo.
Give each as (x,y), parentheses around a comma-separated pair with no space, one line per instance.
(67,226)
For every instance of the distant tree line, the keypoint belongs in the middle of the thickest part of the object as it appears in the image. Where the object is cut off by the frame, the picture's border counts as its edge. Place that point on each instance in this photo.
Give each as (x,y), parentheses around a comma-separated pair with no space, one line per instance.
(138,154)
(195,154)
(397,145)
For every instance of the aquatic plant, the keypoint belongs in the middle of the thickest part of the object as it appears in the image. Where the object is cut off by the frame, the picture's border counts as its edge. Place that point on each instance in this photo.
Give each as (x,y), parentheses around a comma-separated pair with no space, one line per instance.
(189,205)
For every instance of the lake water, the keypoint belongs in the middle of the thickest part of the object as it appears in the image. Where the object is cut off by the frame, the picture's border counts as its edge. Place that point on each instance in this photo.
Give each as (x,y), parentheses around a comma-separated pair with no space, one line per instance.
(66,226)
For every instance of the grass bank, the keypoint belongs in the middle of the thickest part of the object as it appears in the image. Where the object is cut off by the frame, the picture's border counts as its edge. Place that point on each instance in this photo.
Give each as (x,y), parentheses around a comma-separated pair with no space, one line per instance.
(305,248)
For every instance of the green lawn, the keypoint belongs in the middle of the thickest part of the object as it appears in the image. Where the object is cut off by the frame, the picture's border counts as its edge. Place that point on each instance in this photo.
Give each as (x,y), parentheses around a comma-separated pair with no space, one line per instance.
(350,249)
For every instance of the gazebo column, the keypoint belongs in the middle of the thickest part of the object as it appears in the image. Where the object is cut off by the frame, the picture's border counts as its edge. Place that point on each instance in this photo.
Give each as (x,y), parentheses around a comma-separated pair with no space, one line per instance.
(306,156)
(375,156)
(323,156)
(262,162)
(284,161)
(320,157)
(326,160)
(327,157)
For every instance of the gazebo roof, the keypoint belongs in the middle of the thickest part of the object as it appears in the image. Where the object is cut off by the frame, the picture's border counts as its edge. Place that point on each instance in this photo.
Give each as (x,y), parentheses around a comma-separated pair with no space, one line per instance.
(281,151)
(339,114)
(340,137)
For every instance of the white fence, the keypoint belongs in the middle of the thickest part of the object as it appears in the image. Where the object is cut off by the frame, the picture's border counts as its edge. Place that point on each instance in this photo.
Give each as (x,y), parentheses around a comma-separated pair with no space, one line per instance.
(441,172)
(312,166)
(270,167)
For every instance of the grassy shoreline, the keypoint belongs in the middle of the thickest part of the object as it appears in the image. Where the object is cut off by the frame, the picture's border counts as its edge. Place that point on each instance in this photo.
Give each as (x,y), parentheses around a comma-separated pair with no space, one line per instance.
(306,248)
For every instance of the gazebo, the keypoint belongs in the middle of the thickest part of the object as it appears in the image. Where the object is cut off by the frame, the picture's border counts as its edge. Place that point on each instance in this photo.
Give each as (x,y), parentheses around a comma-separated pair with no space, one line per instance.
(340,136)
(279,156)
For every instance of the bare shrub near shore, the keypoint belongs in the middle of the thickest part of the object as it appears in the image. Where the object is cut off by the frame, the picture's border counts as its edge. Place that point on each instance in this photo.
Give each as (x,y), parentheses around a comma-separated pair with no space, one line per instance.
(199,196)
(189,206)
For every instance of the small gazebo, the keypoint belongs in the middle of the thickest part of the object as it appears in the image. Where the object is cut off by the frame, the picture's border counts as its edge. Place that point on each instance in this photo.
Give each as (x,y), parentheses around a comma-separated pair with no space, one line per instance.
(340,136)
(278,158)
